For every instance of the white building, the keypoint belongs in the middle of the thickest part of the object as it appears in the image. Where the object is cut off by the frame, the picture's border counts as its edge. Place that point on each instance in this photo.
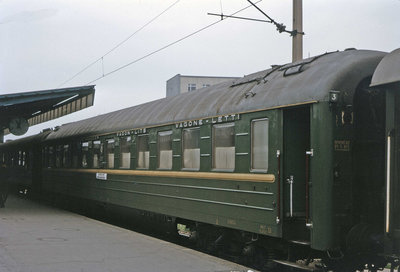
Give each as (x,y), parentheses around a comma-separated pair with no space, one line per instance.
(182,84)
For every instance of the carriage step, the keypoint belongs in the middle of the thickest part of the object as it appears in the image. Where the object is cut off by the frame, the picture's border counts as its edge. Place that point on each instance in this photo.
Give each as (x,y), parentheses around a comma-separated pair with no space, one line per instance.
(297,265)
(300,242)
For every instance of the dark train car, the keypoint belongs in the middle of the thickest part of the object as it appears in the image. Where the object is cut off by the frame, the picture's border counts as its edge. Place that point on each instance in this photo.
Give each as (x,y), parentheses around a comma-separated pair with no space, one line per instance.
(21,164)
(296,165)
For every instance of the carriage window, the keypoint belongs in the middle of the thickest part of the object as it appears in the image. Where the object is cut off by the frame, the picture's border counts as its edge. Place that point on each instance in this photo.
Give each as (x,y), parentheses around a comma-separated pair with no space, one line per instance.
(165,150)
(75,154)
(191,148)
(259,144)
(15,159)
(143,152)
(9,159)
(224,146)
(109,150)
(12,159)
(50,157)
(59,153)
(28,159)
(20,159)
(44,156)
(6,160)
(125,152)
(24,159)
(66,161)
(85,154)
(96,154)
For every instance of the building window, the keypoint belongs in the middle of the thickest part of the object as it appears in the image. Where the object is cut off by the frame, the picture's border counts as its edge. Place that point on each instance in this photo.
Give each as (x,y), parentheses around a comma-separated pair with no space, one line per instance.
(165,150)
(206,85)
(191,148)
(125,152)
(224,146)
(259,144)
(143,152)
(191,87)
(109,150)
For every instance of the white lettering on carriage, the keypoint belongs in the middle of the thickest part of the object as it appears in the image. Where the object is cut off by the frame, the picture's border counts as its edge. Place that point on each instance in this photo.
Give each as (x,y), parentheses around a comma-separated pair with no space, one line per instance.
(213,120)
(131,132)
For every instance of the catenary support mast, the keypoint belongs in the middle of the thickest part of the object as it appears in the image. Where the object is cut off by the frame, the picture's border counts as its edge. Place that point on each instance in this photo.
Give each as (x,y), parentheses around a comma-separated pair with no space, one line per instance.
(297,46)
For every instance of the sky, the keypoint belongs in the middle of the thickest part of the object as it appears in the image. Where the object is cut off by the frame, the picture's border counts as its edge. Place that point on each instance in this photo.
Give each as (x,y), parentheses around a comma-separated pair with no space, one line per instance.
(44,43)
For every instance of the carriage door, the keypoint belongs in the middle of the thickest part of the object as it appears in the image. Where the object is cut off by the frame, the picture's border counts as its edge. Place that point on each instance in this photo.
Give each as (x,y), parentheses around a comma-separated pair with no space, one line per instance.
(392,188)
(296,135)
(387,79)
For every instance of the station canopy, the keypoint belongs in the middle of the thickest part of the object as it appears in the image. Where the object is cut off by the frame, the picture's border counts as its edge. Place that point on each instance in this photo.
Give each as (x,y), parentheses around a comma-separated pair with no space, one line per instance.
(18,111)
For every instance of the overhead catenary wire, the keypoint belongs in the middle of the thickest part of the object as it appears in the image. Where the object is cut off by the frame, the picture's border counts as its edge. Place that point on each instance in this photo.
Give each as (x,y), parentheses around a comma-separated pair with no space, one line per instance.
(168,45)
(280,27)
(119,44)
(237,17)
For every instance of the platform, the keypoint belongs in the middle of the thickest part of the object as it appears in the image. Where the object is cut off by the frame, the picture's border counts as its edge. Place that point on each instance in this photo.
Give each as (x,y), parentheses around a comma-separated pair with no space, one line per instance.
(39,238)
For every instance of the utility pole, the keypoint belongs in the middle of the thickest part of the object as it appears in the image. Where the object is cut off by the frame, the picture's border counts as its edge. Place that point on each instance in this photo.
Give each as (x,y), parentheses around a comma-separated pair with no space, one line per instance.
(297,43)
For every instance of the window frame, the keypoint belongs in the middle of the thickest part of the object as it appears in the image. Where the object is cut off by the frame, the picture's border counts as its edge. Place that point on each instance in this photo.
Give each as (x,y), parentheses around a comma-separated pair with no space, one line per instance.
(163,134)
(129,146)
(52,156)
(213,146)
(183,149)
(85,153)
(142,136)
(76,148)
(191,87)
(97,147)
(106,162)
(66,156)
(252,169)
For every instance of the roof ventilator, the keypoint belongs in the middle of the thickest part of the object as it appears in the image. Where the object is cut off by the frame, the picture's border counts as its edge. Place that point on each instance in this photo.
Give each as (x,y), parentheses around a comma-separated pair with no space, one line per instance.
(297,67)
(293,70)
(249,93)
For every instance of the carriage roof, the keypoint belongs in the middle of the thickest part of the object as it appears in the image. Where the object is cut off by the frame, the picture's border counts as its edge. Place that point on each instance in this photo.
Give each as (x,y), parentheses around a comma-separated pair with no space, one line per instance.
(306,81)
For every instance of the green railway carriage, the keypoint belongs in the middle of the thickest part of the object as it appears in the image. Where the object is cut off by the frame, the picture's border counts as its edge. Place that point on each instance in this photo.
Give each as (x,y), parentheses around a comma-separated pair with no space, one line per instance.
(20,166)
(299,162)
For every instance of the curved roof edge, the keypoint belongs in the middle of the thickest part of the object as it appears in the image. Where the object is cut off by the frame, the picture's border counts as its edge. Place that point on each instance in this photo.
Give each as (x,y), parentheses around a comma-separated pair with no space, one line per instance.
(388,69)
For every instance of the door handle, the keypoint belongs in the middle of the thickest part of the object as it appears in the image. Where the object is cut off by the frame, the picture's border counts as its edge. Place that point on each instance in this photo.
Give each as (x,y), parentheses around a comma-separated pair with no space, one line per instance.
(290,180)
